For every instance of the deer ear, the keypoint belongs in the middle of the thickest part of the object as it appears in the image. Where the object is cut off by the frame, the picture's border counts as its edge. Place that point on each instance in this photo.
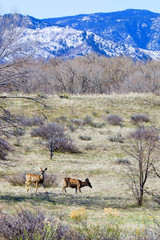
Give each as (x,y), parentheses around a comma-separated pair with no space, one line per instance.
(86,179)
(45,169)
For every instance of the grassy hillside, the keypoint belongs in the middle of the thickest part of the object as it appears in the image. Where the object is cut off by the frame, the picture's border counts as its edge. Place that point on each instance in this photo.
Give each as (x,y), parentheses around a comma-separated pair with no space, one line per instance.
(100,159)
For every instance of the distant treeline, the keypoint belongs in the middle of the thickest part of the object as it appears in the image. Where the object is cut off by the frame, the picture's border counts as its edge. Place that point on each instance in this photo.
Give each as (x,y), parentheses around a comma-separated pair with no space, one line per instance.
(90,74)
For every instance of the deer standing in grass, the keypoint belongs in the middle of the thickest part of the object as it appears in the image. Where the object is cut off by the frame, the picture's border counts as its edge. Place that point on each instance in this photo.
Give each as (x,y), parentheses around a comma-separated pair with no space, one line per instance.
(34,178)
(75,183)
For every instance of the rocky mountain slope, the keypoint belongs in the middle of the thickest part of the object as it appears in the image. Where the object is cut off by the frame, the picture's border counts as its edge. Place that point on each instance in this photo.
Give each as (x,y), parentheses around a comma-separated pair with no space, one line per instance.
(134,33)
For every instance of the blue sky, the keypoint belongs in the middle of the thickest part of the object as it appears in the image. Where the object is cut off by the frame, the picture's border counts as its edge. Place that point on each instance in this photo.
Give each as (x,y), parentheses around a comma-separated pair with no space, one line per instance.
(59,8)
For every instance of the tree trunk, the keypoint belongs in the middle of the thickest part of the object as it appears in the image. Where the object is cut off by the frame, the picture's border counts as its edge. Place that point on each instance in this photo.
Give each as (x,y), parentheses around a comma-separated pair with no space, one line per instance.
(51,154)
(140,199)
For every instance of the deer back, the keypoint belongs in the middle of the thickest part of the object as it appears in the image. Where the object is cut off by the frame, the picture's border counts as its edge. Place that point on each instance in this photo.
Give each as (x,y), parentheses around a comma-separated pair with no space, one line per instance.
(36,177)
(33,177)
(70,182)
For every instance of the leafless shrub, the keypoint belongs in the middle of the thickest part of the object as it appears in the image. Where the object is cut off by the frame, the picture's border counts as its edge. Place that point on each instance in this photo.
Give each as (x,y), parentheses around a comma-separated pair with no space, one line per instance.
(5,147)
(85,138)
(46,130)
(88,120)
(3,155)
(62,119)
(51,180)
(42,95)
(146,134)
(17,132)
(140,118)
(35,121)
(16,180)
(107,111)
(123,161)
(77,122)
(114,119)
(117,138)
(10,126)
(65,145)
(90,147)
(34,225)
(56,138)
(97,125)
(22,226)
(72,127)
(65,96)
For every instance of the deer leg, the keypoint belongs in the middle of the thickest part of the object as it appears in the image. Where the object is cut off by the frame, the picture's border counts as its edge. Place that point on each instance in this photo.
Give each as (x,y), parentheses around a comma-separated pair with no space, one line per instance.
(64,189)
(44,187)
(79,190)
(36,186)
(27,184)
(76,190)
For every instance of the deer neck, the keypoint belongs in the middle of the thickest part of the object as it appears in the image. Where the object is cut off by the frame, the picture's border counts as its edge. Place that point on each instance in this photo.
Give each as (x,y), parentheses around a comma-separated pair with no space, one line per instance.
(83,184)
(42,176)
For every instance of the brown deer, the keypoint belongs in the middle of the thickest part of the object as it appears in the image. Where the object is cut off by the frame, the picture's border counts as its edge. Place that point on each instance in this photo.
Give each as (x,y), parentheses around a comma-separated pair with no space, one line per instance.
(75,183)
(34,178)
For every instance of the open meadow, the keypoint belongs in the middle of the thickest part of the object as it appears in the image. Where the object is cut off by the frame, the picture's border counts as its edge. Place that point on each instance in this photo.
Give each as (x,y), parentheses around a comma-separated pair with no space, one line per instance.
(100,157)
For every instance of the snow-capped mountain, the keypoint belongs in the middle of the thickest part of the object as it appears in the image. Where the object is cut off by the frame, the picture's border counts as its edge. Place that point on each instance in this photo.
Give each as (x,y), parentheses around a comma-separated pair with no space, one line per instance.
(134,33)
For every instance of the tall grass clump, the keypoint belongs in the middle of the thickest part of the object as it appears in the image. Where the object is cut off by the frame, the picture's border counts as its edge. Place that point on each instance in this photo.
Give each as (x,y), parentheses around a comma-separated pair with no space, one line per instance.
(89,230)
(79,214)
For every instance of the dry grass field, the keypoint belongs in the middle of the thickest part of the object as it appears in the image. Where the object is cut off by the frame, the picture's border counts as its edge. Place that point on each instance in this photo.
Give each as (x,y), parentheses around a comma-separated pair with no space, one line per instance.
(100,159)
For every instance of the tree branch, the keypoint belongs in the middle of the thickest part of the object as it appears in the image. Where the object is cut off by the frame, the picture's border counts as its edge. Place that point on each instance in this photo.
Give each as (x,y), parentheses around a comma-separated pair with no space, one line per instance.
(28,98)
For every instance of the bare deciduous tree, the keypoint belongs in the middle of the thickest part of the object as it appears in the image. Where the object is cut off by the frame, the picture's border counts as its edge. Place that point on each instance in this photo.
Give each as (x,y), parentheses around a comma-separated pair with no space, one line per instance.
(55,137)
(143,148)
(13,54)
(8,123)
(13,75)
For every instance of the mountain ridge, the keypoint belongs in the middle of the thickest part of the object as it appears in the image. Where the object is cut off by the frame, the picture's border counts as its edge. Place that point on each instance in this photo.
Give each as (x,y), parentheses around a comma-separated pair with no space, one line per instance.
(125,22)
(134,33)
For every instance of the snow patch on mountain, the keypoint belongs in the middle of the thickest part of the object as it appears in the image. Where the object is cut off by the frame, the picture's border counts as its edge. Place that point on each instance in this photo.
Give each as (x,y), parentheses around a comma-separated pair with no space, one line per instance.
(67,42)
